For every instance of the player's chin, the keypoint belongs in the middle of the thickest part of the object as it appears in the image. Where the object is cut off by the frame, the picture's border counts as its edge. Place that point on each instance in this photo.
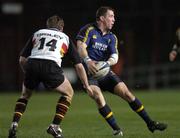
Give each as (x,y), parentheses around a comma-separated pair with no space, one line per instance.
(110,27)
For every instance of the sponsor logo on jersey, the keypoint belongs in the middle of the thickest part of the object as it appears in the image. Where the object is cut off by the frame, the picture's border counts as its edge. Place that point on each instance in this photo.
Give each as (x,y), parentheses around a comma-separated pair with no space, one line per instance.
(100,46)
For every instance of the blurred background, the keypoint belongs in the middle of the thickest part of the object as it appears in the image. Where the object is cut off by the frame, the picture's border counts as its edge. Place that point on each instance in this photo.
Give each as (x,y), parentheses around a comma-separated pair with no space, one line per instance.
(145,29)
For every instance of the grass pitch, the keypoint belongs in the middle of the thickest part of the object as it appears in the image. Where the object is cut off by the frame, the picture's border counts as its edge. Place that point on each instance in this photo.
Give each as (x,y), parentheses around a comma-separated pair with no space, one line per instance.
(83,120)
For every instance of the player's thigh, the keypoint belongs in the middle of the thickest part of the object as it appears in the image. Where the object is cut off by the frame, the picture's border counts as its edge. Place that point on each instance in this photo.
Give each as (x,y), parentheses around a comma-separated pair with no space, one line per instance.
(65,88)
(122,90)
(31,76)
(51,74)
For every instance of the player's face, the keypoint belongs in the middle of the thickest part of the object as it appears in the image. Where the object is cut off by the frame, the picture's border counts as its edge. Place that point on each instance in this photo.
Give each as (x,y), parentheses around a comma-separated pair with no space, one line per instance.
(109,19)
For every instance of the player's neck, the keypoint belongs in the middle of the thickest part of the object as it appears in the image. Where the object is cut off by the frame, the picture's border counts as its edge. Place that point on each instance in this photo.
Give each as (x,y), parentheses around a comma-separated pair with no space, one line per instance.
(103,29)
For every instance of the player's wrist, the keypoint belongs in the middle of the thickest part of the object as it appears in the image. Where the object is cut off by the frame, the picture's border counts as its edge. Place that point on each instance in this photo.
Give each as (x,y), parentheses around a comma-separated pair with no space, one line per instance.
(108,62)
(86,59)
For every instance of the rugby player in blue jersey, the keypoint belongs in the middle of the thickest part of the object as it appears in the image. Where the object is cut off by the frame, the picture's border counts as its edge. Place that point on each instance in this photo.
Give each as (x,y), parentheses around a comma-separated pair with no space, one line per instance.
(96,42)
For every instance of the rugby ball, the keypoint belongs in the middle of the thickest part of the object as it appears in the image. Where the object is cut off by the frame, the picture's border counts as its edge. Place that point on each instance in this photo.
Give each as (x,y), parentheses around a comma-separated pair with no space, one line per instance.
(103,69)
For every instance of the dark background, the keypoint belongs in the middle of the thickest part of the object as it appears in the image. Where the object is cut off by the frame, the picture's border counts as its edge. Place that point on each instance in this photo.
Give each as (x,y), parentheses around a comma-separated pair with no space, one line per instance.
(145,29)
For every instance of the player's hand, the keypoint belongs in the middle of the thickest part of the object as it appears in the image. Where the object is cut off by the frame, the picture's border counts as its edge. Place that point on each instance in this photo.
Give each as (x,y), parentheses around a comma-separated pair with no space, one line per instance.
(172,55)
(92,67)
(89,90)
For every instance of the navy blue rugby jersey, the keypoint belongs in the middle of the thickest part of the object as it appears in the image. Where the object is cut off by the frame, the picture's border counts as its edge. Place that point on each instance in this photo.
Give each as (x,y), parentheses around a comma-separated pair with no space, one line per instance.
(99,46)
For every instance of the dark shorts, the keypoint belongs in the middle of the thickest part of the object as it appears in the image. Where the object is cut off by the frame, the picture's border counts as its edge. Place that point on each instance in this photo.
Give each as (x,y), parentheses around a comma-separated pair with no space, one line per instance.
(106,83)
(45,71)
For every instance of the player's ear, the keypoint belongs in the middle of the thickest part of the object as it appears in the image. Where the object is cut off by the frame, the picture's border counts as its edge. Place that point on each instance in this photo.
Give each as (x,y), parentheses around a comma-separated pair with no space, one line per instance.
(102,18)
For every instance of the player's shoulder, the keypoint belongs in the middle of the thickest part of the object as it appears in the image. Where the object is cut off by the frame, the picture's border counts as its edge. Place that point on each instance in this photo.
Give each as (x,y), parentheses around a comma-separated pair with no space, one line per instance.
(89,26)
(41,31)
(112,35)
(52,31)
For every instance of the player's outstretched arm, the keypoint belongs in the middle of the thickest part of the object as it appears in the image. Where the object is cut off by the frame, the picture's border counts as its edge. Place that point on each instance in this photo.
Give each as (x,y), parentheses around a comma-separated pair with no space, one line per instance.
(83,77)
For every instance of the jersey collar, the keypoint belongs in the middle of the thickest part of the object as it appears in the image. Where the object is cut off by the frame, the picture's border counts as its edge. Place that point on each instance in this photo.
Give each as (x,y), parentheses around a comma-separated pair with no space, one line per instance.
(55,29)
(96,26)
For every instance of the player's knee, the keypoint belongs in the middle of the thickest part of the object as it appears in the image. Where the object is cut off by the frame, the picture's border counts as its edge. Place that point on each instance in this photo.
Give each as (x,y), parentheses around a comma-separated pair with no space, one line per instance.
(99,99)
(91,95)
(26,94)
(129,96)
(94,95)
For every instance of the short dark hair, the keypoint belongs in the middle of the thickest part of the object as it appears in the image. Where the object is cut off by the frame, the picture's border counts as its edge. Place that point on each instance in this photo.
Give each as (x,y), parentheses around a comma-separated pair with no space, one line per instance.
(55,22)
(102,11)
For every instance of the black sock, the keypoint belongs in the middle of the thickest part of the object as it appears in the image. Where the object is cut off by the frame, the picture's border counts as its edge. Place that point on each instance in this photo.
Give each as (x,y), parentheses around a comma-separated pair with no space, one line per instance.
(108,115)
(137,106)
(61,109)
(19,109)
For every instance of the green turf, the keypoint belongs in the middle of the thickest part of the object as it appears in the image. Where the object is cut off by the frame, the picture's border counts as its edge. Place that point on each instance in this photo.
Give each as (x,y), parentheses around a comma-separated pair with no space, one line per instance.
(83,120)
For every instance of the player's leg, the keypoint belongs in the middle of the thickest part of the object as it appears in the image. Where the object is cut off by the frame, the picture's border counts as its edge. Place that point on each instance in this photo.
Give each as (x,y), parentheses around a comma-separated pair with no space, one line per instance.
(64,101)
(31,81)
(61,108)
(20,108)
(135,104)
(105,110)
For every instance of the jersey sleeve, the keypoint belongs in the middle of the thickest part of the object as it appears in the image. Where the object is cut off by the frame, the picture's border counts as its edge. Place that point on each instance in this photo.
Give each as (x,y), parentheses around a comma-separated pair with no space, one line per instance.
(26,51)
(113,44)
(73,54)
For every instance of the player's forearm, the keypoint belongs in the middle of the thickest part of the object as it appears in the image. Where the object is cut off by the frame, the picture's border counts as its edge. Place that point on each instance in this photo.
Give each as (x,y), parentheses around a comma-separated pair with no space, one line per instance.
(22,62)
(82,51)
(82,74)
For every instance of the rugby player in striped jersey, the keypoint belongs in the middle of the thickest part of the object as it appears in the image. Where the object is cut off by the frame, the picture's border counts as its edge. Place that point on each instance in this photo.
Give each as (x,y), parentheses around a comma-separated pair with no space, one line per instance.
(41,61)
